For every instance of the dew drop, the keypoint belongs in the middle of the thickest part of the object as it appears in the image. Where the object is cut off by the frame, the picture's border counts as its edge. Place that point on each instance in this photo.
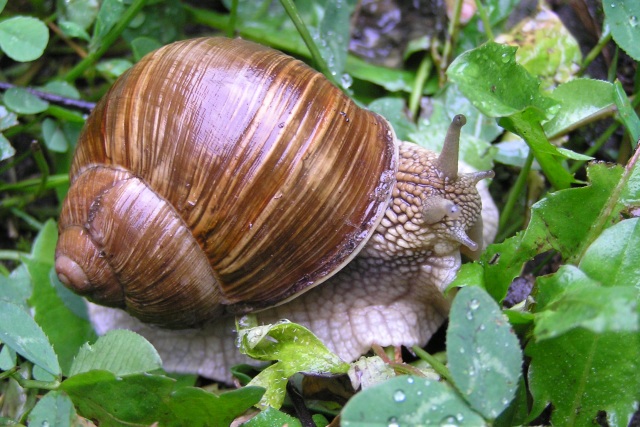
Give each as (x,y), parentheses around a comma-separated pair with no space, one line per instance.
(410,380)
(459,417)
(505,58)
(505,401)
(474,304)
(449,421)
(482,327)
(393,422)
(461,350)
(633,21)
(469,315)
(472,372)
(399,396)
(45,424)
(346,80)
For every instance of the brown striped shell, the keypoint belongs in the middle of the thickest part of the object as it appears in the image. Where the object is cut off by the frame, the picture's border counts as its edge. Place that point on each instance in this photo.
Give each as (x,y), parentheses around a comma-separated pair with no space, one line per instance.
(219,176)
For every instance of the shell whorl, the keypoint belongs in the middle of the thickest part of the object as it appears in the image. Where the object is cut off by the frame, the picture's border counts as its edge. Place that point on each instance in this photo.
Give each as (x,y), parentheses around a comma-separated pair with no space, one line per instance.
(278,177)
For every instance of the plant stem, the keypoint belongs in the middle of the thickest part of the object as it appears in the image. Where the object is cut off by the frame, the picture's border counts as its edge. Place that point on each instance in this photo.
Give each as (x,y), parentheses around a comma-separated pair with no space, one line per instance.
(593,54)
(451,39)
(295,17)
(435,363)
(12,255)
(485,20)
(421,77)
(107,41)
(515,192)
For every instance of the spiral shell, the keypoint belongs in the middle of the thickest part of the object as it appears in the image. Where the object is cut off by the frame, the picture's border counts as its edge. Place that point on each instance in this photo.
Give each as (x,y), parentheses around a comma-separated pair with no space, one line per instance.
(217,176)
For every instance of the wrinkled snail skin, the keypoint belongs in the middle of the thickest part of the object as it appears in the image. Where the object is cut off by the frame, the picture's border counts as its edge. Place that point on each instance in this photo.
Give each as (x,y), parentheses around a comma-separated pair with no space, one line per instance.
(323,219)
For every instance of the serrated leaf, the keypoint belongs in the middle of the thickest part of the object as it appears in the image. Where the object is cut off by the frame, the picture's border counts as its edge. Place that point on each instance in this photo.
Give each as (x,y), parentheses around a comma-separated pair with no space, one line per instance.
(23,102)
(496,85)
(23,38)
(66,331)
(570,299)
(582,373)
(19,331)
(295,348)
(120,352)
(408,401)
(54,409)
(483,354)
(144,399)
(623,17)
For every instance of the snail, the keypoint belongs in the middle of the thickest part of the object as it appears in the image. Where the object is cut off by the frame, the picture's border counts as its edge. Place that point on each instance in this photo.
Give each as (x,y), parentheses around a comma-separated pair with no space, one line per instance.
(219,177)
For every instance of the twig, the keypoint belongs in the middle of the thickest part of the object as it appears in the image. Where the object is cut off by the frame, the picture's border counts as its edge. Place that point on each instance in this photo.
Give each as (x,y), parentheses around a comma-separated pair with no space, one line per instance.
(55,99)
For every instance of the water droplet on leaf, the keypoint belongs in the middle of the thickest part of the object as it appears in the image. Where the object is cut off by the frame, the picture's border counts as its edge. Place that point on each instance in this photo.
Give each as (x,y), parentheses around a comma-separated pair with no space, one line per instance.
(399,396)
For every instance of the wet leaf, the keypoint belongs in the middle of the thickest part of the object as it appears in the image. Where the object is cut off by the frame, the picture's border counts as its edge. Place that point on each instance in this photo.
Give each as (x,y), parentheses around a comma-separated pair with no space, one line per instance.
(144,399)
(119,352)
(623,17)
(483,354)
(408,401)
(295,348)
(54,409)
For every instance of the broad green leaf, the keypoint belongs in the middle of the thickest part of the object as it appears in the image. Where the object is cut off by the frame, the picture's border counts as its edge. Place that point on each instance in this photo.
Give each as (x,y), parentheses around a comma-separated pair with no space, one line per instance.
(23,38)
(23,102)
(113,67)
(272,417)
(581,373)
(81,13)
(496,85)
(295,348)
(613,258)
(19,331)
(570,299)
(8,358)
(623,18)
(162,21)
(144,399)
(66,331)
(579,100)
(627,113)
(483,354)
(3,3)
(54,137)
(61,88)
(408,401)
(120,352)
(54,409)
(333,37)
(73,30)
(391,80)
(16,288)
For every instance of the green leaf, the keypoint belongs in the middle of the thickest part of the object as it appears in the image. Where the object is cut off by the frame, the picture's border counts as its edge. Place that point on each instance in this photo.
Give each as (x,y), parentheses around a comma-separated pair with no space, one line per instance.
(16,287)
(613,258)
(527,124)
(23,38)
(579,100)
(627,113)
(408,401)
(23,102)
(3,3)
(143,45)
(6,150)
(392,109)
(73,30)
(582,373)
(295,348)
(113,67)
(484,355)
(8,358)
(333,36)
(623,17)
(570,299)
(54,409)
(108,16)
(64,328)
(496,85)
(19,331)
(143,399)
(54,137)
(80,13)
(272,417)
(7,118)
(120,352)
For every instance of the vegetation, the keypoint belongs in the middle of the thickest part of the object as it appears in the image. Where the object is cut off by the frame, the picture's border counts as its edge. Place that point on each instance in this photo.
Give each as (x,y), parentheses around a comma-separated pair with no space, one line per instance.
(560,132)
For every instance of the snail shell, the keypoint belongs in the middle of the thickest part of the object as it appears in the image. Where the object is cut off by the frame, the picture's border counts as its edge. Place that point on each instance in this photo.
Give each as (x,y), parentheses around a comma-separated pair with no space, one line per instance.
(219,176)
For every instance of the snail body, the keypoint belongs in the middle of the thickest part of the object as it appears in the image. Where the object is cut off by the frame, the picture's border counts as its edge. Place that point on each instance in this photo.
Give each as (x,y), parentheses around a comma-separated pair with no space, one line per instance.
(220,177)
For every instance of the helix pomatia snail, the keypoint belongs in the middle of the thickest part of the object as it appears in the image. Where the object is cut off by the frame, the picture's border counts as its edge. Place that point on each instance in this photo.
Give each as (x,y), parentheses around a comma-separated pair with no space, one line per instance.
(219,177)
